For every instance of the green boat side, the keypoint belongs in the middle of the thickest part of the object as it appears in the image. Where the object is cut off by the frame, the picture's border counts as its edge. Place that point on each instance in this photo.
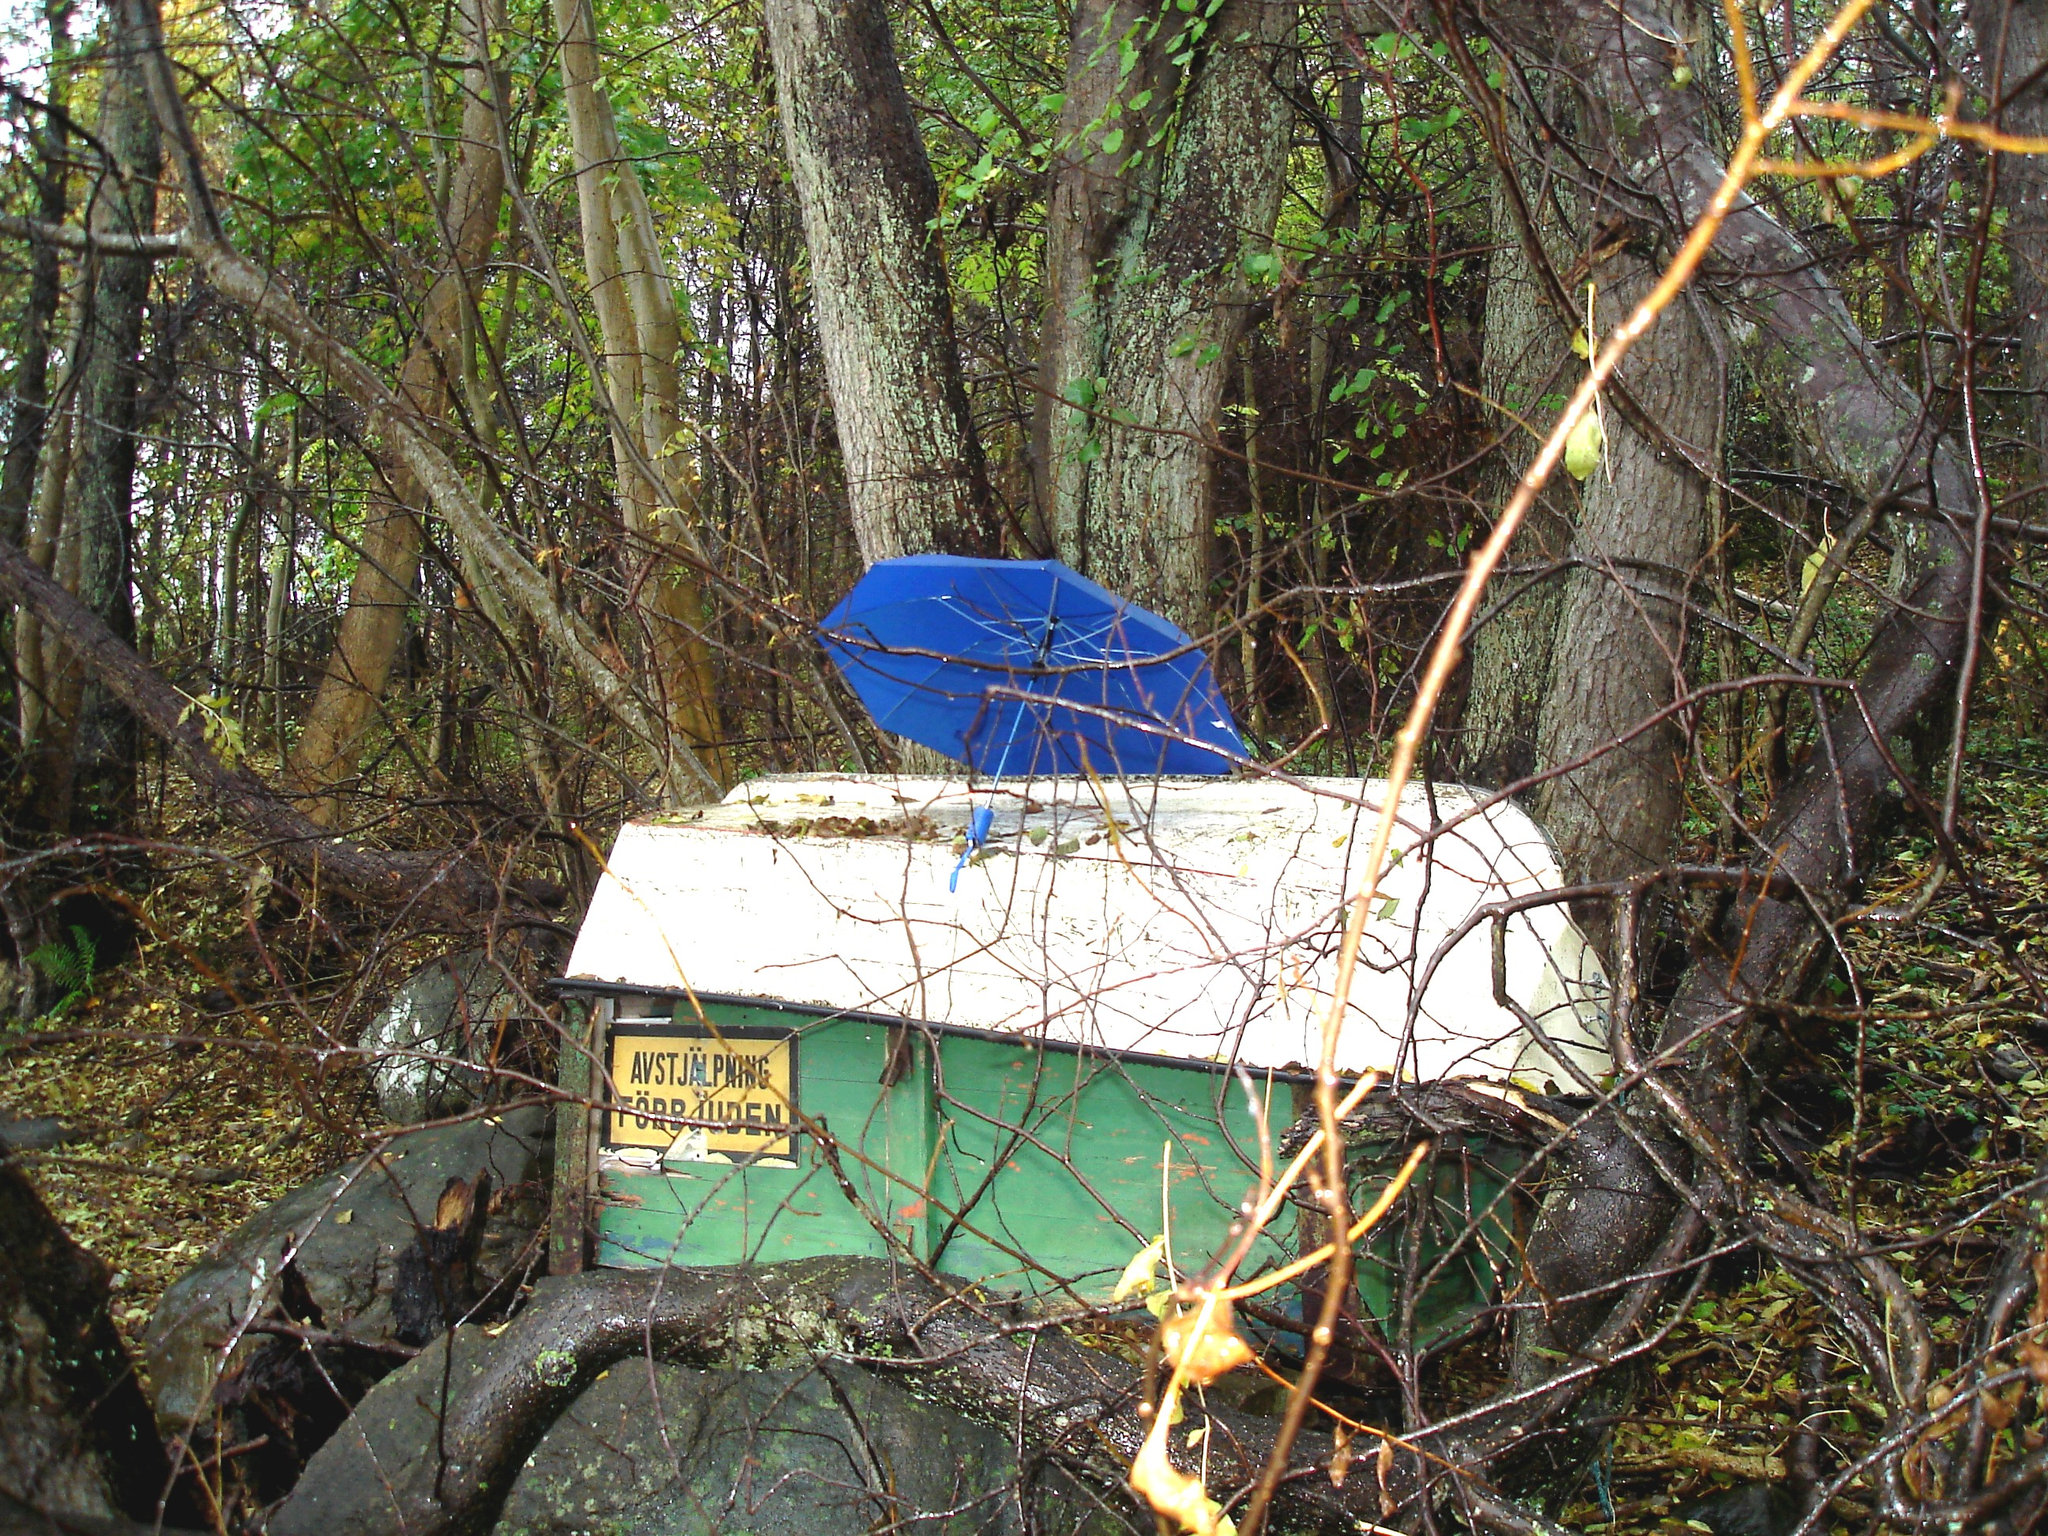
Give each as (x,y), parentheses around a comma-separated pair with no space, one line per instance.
(1024,1168)
(1039,1171)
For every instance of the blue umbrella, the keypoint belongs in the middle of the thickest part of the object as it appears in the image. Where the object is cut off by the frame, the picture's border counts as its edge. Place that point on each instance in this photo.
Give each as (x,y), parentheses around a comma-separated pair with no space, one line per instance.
(1024,667)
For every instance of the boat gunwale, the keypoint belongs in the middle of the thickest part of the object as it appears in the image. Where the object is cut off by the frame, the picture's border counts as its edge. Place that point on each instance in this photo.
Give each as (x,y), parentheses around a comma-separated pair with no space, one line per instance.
(591,985)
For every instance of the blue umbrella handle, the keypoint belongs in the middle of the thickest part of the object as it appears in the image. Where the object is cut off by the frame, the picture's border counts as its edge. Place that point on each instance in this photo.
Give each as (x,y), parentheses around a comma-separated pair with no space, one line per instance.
(978,826)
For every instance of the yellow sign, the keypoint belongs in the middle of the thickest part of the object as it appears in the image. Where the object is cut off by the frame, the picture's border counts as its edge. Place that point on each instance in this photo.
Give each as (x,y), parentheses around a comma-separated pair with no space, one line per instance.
(703,1097)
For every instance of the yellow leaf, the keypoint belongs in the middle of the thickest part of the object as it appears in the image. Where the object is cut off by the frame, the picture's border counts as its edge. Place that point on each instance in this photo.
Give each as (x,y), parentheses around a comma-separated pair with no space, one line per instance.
(1169,1490)
(1141,1275)
(1582,448)
(1203,1344)
(1580,344)
(1809,573)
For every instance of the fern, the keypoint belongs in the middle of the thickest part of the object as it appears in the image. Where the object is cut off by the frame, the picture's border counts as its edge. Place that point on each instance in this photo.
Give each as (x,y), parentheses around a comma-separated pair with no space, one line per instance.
(68,964)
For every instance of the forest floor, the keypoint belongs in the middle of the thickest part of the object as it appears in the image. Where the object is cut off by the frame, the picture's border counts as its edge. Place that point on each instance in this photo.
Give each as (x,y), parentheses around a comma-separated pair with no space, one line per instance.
(1954,1112)
(196,1084)
(199,1095)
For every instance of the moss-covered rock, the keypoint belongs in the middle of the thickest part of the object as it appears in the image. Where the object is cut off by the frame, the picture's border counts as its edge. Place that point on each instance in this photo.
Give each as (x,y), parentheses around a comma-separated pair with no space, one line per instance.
(811,1452)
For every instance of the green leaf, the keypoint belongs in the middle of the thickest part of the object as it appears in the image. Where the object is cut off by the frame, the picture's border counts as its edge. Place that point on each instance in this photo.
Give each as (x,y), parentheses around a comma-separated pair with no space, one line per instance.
(1112,141)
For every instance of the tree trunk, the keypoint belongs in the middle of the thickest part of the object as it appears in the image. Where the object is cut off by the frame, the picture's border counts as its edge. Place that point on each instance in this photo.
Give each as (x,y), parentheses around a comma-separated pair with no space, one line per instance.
(30,384)
(914,470)
(1167,181)
(1867,431)
(77,1438)
(2012,38)
(1526,356)
(277,589)
(100,795)
(229,638)
(636,313)
(387,565)
(1618,651)
(1580,660)
(36,659)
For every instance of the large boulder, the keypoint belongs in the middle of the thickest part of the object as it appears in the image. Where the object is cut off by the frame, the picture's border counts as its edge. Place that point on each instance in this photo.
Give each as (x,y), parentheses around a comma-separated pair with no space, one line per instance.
(818,1450)
(427,1046)
(828,1451)
(332,1257)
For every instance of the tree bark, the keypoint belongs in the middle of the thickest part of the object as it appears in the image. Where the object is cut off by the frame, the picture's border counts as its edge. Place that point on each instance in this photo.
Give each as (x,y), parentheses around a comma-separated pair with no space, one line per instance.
(637,318)
(387,563)
(100,792)
(1526,354)
(2012,39)
(1583,658)
(30,411)
(1617,655)
(80,1439)
(914,470)
(1169,176)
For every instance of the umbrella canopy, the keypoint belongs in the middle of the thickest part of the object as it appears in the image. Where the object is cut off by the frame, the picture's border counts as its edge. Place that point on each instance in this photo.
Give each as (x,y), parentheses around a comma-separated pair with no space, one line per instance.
(1024,667)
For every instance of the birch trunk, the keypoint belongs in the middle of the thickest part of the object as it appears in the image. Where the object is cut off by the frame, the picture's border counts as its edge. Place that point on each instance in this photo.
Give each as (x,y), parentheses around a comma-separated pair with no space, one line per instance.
(642,334)
(323,762)
(48,695)
(278,586)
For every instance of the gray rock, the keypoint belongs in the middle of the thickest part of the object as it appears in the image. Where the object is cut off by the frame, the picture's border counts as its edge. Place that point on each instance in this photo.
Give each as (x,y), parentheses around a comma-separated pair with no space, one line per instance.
(830,1450)
(350,1229)
(423,1049)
